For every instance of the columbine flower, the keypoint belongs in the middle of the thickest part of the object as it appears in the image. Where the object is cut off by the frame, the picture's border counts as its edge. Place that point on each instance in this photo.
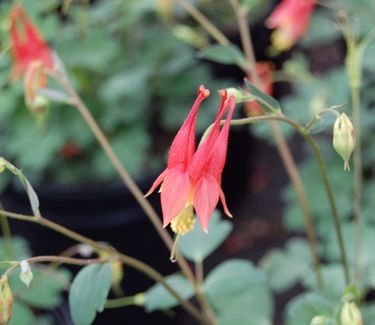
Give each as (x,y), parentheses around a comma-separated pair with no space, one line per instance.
(27,44)
(264,71)
(192,180)
(291,19)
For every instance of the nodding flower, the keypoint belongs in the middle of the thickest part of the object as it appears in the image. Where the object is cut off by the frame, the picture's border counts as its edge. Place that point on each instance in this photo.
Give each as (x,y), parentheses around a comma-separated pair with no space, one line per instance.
(28,45)
(290,19)
(192,179)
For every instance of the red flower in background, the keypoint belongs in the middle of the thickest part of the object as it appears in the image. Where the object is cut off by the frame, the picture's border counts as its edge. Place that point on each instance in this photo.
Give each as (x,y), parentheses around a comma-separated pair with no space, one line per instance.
(264,71)
(27,44)
(193,178)
(291,19)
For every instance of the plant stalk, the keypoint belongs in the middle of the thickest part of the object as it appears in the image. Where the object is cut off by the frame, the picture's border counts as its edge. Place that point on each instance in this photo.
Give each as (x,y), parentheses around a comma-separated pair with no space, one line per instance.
(357,159)
(281,144)
(130,261)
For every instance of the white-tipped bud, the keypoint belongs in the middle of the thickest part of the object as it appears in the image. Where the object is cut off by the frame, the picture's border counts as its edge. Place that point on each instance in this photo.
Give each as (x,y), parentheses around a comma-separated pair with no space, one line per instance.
(344,138)
(350,314)
(26,275)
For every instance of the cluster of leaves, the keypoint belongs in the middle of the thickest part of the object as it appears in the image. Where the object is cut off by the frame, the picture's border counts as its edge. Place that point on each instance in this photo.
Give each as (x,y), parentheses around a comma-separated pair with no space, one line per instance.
(45,291)
(131,70)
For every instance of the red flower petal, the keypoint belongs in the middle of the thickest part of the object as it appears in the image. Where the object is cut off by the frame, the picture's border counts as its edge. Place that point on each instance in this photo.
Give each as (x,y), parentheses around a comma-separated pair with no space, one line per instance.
(156,183)
(206,197)
(175,193)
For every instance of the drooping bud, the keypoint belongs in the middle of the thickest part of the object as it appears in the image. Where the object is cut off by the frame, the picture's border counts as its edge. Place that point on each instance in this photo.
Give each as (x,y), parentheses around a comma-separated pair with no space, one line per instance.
(26,275)
(184,222)
(350,314)
(6,301)
(344,138)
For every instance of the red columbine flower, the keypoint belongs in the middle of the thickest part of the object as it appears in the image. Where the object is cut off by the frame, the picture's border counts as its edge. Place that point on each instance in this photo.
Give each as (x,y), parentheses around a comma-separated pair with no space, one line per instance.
(193,179)
(291,19)
(27,44)
(264,71)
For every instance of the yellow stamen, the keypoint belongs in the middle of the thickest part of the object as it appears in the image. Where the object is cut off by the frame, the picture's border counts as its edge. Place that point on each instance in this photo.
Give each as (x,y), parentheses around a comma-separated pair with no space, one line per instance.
(184,222)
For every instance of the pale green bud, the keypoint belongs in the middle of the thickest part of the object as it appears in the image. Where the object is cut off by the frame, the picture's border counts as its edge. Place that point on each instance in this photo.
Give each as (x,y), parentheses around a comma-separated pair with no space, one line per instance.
(344,138)
(350,314)
(2,164)
(321,320)
(6,301)
(26,275)
(240,95)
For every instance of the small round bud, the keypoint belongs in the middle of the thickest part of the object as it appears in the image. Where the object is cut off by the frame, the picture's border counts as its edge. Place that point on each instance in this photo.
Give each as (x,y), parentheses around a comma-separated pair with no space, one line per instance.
(344,138)
(139,299)
(321,320)
(350,314)
(184,221)
(6,301)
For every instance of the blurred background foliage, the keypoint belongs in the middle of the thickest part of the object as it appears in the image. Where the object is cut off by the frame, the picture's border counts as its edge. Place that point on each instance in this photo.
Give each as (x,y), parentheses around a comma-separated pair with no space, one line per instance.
(137,77)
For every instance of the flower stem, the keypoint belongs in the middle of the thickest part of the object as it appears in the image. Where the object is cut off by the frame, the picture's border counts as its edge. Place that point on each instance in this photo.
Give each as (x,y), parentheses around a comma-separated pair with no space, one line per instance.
(323,170)
(124,175)
(206,23)
(120,302)
(130,261)
(357,159)
(281,144)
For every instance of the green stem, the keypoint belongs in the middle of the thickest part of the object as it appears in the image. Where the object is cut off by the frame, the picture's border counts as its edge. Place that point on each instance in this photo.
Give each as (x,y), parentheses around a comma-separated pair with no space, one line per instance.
(202,19)
(281,144)
(323,171)
(130,261)
(121,302)
(357,159)
(124,175)
(7,234)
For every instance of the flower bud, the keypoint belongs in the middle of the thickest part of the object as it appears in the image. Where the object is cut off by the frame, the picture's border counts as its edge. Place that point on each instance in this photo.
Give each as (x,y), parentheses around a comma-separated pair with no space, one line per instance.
(6,301)
(344,138)
(26,275)
(2,164)
(321,320)
(350,314)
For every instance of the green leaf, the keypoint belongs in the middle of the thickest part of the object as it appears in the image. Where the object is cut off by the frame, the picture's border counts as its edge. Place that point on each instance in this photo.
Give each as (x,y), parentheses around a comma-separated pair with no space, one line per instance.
(231,277)
(286,268)
(253,305)
(197,245)
(268,103)
(21,315)
(238,291)
(89,292)
(225,54)
(157,297)
(333,279)
(45,290)
(19,249)
(302,309)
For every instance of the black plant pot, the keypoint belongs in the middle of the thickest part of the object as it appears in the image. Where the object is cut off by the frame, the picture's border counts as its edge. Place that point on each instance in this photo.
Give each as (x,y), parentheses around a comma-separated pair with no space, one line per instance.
(109,214)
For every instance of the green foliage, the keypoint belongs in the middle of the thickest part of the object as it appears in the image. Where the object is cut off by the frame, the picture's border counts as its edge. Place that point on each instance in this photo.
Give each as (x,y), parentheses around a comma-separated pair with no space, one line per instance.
(286,268)
(224,54)
(157,297)
(239,293)
(302,309)
(89,292)
(132,72)
(268,103)
(197,245)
